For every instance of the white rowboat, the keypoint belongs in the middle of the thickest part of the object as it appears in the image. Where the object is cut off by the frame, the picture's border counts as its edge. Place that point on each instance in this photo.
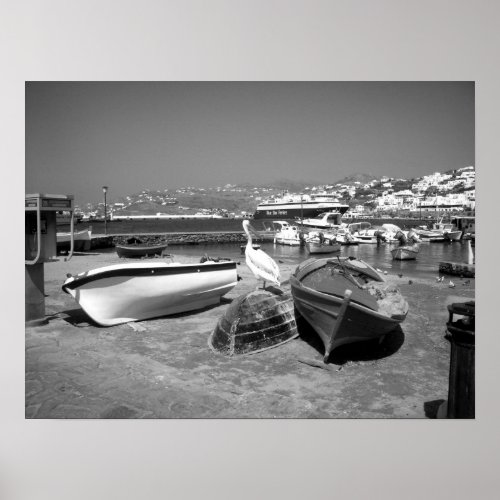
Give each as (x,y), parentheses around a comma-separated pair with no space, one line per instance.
(131,292)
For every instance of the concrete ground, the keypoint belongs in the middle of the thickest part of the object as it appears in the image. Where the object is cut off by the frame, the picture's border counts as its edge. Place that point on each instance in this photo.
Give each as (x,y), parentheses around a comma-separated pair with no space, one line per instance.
(164,368)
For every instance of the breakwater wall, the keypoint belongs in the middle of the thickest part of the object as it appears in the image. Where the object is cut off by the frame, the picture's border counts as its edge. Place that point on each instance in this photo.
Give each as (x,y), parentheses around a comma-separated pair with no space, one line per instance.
(172,239)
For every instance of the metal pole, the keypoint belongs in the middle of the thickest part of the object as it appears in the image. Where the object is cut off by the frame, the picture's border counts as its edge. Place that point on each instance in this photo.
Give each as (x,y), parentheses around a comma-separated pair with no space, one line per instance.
(105,189)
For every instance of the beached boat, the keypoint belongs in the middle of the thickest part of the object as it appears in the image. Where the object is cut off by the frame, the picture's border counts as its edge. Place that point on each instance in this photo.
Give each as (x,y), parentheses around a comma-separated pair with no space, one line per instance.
(405,252)
(255,322)
(339,299)
(131,292)
(139,251)
(287,234)
(82,240)
(321,243)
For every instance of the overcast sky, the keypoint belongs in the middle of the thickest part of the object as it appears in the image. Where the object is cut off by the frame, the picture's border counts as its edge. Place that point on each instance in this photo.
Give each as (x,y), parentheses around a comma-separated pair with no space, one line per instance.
(158,135)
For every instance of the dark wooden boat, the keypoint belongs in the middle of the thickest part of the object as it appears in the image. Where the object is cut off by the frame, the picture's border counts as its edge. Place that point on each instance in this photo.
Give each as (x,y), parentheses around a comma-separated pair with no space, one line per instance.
(138,251)
(255,322)
(334,297)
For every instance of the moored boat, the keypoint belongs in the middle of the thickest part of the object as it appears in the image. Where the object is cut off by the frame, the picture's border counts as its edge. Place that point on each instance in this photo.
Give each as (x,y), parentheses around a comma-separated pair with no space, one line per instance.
(405,252)
(448,230)
(139,251)
(131,292)
(339,298)
(326,220)
(287,234)
(321,243)
(344,237)
(82,240)
(440,232)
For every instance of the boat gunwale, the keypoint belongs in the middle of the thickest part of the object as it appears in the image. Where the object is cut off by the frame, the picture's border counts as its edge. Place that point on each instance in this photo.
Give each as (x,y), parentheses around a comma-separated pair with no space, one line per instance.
(295,282)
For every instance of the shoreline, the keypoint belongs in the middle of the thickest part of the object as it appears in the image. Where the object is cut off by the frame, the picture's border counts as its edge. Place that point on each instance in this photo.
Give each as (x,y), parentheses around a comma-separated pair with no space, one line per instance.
(164,368)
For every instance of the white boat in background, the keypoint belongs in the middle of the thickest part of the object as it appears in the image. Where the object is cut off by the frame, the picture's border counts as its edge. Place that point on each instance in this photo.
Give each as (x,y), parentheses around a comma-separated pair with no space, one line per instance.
(344,236)
(286,234)
(448,230)
(391,232)
(440,232)
(82,240)
(132,292)
(427,235)
(326,220)
(364,233)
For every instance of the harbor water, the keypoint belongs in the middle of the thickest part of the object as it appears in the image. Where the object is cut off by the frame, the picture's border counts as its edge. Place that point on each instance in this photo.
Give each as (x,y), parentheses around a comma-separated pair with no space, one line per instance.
(426,264)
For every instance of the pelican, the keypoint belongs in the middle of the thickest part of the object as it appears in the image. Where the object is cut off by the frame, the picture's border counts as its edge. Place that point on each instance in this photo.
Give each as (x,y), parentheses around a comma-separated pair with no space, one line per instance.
(262,266)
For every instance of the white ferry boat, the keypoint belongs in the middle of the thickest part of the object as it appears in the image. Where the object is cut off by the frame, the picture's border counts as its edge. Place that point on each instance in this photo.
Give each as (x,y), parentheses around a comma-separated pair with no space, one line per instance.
(296,206)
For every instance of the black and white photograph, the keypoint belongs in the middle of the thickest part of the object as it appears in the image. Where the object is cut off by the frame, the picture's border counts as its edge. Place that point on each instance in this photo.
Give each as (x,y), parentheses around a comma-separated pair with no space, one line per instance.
(250,250)
(250,265)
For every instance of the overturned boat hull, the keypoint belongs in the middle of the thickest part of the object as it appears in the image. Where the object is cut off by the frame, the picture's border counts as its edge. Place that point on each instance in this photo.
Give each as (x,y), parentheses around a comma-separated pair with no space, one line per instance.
(255,322)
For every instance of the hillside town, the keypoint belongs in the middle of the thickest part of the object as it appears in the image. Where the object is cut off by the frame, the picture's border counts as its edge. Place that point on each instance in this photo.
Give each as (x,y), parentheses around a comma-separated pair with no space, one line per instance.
(450,192)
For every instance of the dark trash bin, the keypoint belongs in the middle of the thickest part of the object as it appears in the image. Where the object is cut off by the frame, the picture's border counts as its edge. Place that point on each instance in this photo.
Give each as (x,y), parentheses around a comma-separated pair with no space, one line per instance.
(461,334)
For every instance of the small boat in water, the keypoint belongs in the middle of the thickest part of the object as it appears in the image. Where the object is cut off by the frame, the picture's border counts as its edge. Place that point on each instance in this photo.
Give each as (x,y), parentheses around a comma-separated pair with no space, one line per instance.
(287,234)
(405,252)
(139,251)
(345,300)
(448,230)
(320,243)
(131,292)
(344,237)
(82,240)
(440,232)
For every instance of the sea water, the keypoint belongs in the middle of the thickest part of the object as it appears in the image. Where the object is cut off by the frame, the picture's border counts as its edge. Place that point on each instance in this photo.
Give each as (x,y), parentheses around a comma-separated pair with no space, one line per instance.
(426,264)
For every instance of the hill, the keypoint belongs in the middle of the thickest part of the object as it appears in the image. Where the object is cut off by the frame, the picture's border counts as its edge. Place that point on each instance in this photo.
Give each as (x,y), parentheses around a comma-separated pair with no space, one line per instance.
(361,178)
